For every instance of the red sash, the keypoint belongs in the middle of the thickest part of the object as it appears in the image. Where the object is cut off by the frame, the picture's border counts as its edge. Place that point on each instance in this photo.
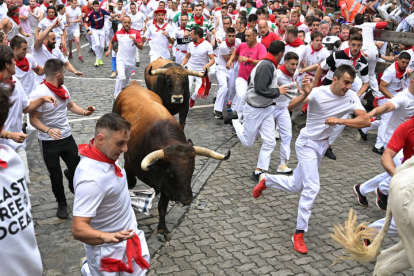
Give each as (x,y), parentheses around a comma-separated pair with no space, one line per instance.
(204,88)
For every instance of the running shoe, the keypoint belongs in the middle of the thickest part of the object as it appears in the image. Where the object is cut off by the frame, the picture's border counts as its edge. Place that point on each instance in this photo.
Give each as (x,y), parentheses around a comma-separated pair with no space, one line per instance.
(257,191)
(255,177)
(100,62)
(381,200)
(284,169)
(113,75)
(96,64)
(70,55)
(364,136)
(362,200)
(81,60)
(192,102)
(329,153)
(218,115)
(133,73)
(299,243)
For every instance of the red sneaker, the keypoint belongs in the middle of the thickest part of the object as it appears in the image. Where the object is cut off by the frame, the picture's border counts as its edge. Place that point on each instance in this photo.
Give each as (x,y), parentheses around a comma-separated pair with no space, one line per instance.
(299,243)
(257,191)
(192,102)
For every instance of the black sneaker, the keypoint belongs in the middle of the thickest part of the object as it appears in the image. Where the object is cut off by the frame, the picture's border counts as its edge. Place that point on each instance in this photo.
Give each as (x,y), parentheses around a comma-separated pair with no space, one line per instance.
(330,154)
(137,64)
(24,128)
(70,180)
(378,151)
(255,177)
(364,136)
(62,211)
(218,115)
(230,117)
(214,100)
(362,200)
(381,200)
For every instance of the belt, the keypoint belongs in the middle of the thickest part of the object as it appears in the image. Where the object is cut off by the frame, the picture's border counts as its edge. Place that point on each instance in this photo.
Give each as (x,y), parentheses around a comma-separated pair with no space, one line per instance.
(178,50)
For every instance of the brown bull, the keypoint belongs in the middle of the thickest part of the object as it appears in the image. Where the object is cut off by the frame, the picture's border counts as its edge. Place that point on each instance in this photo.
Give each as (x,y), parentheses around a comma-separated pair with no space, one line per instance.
(170,81)
(158,152)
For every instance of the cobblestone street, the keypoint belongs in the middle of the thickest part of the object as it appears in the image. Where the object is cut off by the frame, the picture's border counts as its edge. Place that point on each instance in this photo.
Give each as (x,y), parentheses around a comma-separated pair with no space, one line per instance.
(234,234)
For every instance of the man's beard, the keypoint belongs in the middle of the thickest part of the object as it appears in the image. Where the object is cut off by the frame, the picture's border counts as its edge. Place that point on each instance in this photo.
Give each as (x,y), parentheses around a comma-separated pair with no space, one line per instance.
(51,45)
(127,28)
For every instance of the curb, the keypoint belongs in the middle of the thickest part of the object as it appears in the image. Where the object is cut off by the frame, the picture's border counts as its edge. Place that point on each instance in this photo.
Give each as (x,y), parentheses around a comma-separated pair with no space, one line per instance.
(177,213)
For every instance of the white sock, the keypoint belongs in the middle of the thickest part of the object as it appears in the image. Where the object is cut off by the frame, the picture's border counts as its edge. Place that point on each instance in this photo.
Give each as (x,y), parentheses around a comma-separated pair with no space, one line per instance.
(257,172)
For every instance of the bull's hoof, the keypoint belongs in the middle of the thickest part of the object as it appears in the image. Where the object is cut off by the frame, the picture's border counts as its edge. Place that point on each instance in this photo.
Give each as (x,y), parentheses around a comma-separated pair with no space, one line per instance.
(164,237)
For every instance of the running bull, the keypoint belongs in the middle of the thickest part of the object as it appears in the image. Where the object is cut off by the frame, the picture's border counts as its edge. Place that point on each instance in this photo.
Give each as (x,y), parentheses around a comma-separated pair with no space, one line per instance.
(158,152)
(170,81)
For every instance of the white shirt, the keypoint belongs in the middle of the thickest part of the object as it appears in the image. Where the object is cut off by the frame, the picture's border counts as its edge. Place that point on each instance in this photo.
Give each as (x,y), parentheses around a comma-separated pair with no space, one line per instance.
(316,58)
(159,43)
(411,52)
(344,45)
(395,85)
(27,78)
(73,14)
(126,50)
(3,10)
(368,42)
(146,9)
(404,110)
(282,78)
(33,21)
(225,50)
(300,50)
(42,55)
(50,116)
(199,55)
(182,42)
(137,20)
(44,10)
(14,120)
(20,254)
(324,104)
(46,22)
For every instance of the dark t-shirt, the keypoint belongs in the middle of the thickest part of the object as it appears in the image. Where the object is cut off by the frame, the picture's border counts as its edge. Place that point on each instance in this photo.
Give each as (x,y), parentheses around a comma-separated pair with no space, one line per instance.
(241,36)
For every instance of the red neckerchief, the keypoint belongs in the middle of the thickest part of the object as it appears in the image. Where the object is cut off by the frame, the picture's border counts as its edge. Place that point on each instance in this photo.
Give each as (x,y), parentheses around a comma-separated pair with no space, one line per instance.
(23,64)
(33,8)
(342,40)
(64,1)
(408,48)
(234,12)
(182,28)
(313,49)
(281,32)
(298,24)
(134,251)
(230,45)
(50,50)
(218,9)
(59,91)
(3,164)
(354,60)
(196,44)
(271,57)
(46,4)
(162,28)
(296,43)
(50,18)
(199,20)
(16,19)
(286,72)
(91,152)
(399,73)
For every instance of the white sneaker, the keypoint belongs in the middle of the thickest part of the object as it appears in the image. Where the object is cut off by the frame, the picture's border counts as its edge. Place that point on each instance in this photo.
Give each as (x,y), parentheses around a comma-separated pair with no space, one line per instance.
(284,169)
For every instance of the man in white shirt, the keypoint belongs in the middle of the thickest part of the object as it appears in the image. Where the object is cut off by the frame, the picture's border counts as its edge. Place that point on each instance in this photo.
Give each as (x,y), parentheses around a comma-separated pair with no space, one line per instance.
(22,256)
(138,20)
(226,78)
(35,15)
(103,218)
(161,35)
(326,105)
(182,41)
(3,9)
(55,138)
(74,17)
(10,24)
(50,20)
(12,134)
(128,41)
(145,8)
(294,43)
(44,49)
(199,57)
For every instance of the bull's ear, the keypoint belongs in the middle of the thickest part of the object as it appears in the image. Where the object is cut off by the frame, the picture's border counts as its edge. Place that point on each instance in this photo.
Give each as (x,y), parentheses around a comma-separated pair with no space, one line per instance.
(190,143)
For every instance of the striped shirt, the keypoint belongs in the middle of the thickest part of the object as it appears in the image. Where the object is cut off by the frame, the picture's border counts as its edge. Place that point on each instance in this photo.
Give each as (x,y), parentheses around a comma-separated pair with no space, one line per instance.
(207,27)
(96,19)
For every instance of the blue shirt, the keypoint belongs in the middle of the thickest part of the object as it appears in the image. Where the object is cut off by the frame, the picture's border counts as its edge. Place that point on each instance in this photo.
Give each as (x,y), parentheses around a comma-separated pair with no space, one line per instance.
(97,18)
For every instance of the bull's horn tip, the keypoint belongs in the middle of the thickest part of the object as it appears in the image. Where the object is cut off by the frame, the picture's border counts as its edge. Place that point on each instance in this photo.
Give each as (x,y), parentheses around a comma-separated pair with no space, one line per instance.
(227,156)
(150,71)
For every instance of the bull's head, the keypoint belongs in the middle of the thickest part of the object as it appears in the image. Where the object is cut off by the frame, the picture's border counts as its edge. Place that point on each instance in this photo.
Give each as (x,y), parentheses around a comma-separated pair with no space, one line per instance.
(176,80)
(176,163)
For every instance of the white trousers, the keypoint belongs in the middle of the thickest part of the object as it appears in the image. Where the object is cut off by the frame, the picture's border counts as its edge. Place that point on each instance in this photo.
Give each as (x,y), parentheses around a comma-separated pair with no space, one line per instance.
(283,121)
(124,73)
(258,121)
(305,178)
(382,128)
(31,133)
(383,11)
(116,251)
(240,97)
(224,78)
(337,131)
(98,42)
(372,62)
(392,231)
(198,82)
(22,154)
(137,55)
(179,56)
(374,126)
(382,180)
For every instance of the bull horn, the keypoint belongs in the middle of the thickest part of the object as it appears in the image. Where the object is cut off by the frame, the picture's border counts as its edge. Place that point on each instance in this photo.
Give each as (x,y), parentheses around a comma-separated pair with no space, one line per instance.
(156,71)
(211,153)
(151,159)
(195,73)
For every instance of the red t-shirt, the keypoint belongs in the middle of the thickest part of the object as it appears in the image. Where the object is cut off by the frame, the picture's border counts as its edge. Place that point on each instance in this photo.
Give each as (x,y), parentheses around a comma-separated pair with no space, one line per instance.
(256,53)
(266,40)
(403,138)
(85,10)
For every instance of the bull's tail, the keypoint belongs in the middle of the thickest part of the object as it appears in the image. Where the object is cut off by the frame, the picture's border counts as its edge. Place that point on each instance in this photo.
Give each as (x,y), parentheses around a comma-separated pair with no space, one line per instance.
(351,238)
